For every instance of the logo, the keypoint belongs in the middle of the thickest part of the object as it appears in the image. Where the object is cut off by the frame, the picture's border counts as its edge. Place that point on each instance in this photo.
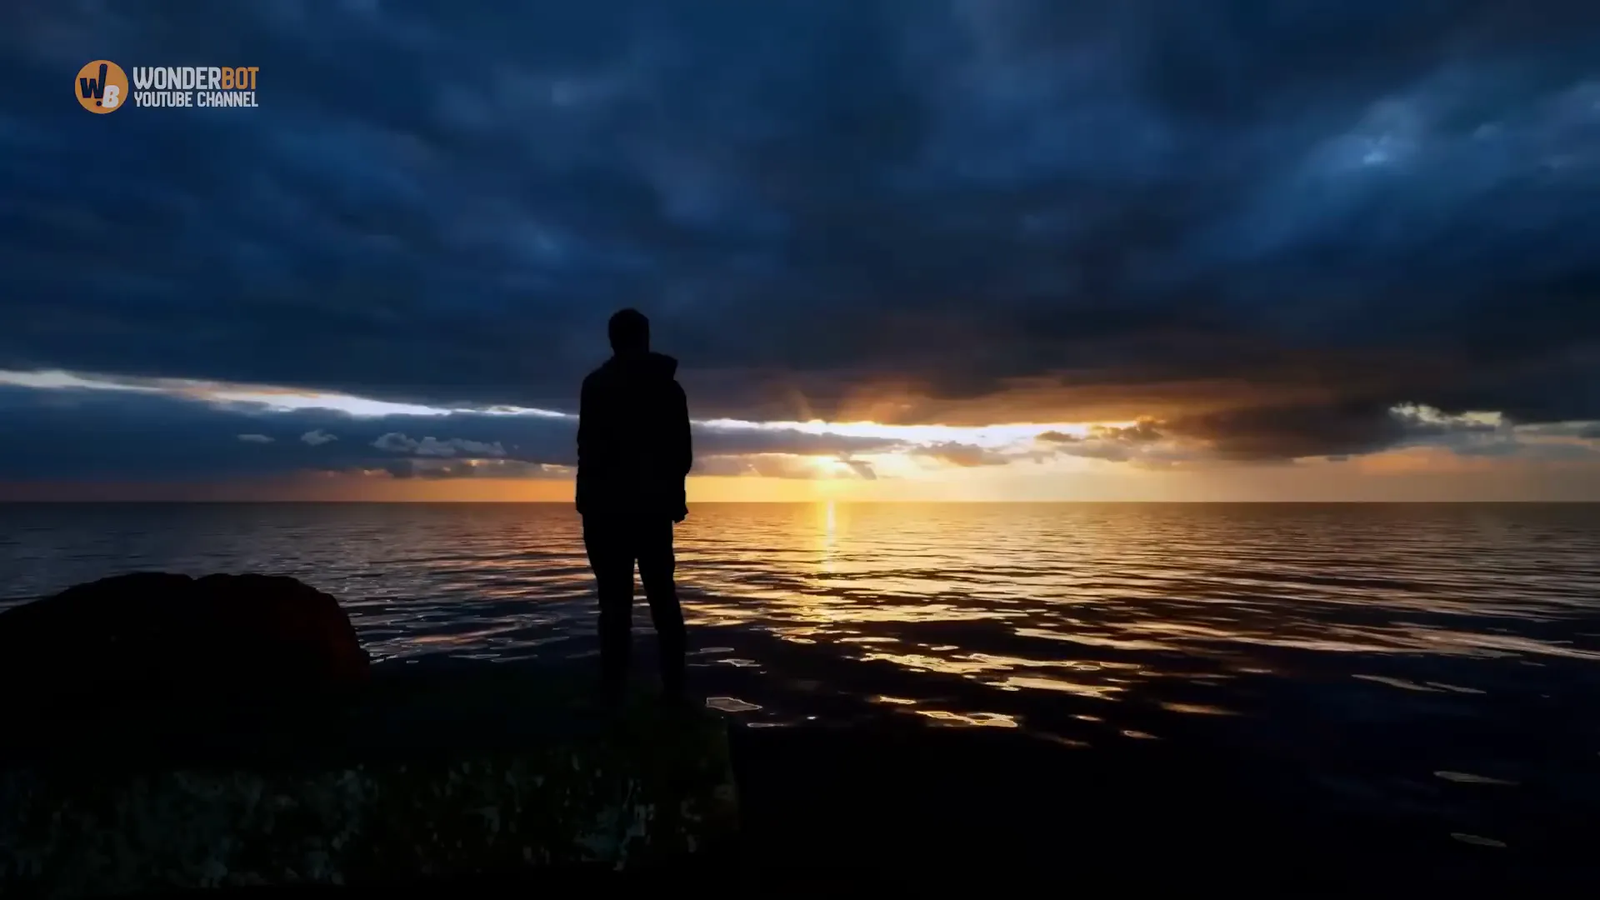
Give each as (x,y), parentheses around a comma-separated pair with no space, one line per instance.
(102,87)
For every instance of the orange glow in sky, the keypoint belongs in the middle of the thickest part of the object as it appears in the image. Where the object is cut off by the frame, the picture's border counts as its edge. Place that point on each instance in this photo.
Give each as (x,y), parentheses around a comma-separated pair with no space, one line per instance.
(1126,460)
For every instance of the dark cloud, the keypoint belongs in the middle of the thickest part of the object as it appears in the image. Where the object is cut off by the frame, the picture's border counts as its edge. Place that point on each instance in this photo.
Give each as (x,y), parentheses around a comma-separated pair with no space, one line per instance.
(1110,443)
(395,442)
(964,455)
(862,468)
(1262,224)
(98,435)
(1141,432)
(1059,437)
(1290,432)
(1262,434)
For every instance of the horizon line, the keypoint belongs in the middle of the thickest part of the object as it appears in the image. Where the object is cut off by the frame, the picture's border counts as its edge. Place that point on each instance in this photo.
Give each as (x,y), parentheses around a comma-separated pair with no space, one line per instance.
(818,502)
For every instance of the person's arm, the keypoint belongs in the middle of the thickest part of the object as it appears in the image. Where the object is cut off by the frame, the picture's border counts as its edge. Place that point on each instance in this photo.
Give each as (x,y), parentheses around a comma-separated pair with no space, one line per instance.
(685,441)
(584,439)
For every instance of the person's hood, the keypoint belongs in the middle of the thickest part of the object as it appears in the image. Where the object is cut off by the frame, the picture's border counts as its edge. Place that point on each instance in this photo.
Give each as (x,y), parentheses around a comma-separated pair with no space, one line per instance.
(647,365)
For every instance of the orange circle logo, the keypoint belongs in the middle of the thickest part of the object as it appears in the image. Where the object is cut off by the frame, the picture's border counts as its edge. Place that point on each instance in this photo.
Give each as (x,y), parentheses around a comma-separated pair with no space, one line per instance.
(101,87)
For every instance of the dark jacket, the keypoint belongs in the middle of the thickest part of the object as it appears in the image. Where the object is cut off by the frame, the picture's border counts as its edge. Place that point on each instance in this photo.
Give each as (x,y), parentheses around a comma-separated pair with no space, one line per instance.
(634,450)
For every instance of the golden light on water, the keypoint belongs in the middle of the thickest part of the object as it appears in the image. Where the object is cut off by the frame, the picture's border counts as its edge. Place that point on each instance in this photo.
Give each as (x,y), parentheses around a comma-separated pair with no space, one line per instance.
(1081,623)
(1097,604)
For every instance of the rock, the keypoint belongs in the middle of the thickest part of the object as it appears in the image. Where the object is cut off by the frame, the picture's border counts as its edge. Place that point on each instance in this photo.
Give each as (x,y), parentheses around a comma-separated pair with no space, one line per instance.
(165,732)
(485,769)
(159,634)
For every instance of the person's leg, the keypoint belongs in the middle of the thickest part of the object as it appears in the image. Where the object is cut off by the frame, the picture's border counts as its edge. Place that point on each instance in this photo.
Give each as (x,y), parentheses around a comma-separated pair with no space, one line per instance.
(610,556)
(656,564)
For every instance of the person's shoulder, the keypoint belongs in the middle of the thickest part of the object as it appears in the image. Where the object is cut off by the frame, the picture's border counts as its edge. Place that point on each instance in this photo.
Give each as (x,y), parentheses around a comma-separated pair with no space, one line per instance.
(596,375)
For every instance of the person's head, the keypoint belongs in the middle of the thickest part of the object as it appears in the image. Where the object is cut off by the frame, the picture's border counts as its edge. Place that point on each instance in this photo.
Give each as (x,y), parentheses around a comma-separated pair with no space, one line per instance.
(629,331)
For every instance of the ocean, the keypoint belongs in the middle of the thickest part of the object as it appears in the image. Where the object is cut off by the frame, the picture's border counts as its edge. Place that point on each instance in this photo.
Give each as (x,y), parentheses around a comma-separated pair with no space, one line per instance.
(1436,662)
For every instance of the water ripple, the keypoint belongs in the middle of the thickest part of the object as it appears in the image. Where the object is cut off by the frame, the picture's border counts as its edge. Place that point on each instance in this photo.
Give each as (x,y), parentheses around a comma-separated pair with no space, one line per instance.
(1442,610)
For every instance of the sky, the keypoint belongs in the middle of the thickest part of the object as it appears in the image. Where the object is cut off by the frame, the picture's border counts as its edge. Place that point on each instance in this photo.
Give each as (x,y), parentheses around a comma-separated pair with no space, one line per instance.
(909,250)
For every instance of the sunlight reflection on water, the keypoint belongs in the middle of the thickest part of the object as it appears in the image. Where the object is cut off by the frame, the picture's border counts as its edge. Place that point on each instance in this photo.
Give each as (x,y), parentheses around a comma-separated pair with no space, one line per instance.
(1094,601)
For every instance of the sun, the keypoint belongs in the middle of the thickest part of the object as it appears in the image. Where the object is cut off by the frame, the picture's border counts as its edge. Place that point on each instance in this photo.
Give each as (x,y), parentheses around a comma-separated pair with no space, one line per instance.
(829,467)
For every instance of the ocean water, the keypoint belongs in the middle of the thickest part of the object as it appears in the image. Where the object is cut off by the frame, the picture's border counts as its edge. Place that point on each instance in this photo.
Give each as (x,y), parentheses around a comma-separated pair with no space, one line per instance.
(1435,660)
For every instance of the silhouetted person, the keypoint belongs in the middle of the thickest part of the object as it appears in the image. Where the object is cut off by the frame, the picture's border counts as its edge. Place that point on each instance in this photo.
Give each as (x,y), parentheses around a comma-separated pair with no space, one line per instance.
(634,453)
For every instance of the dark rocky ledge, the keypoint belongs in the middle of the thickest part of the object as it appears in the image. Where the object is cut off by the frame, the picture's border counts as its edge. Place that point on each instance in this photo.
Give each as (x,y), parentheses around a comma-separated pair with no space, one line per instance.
(163,763)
